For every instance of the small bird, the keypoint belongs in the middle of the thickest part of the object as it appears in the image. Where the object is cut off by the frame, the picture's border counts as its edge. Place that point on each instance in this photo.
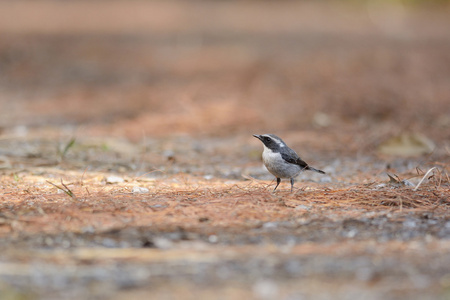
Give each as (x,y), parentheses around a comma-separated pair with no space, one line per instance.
(280,160)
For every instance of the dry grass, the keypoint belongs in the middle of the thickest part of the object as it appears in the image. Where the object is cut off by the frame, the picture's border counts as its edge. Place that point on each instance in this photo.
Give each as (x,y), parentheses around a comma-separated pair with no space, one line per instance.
(34,205)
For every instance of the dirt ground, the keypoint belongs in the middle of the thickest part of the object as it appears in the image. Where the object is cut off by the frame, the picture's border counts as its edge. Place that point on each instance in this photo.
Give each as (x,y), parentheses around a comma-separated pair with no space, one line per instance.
(129,171)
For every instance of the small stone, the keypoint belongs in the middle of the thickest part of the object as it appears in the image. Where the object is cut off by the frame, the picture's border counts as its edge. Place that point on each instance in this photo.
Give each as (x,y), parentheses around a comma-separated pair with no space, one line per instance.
(114,179)
(304,207)
(213,238)
(409,223)
(407,183)
(270,225)
(157,206)
(162,243)
(139,190)
(380,186)
(352,233)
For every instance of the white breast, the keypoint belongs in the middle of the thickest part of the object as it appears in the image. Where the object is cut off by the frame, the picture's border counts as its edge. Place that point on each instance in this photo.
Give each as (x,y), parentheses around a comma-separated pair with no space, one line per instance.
(270,157)
(276,165)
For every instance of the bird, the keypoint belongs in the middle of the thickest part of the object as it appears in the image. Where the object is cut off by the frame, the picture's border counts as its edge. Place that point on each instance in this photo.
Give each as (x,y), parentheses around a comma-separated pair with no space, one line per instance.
(282,161)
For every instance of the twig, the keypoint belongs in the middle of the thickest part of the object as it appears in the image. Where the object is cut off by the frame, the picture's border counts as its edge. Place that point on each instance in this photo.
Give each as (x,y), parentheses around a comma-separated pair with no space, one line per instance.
(423,178)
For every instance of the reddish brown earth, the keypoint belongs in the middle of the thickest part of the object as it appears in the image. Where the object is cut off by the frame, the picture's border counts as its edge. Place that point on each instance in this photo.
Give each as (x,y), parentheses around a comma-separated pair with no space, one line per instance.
(165,96)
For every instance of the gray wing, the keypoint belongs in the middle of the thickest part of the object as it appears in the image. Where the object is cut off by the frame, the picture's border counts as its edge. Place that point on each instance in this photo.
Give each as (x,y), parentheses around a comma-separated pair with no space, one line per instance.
(292,157)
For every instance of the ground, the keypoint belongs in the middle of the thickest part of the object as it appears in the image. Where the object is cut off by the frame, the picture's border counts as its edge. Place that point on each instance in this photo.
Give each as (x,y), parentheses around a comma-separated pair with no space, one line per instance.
(129,171)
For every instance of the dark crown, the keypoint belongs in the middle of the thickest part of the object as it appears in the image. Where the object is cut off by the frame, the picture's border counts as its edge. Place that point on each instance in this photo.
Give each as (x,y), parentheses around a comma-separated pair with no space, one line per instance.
(271,141)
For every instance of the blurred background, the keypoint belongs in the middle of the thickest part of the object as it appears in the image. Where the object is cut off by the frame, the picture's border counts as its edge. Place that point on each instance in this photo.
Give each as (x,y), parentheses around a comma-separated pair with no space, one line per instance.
(153,92)
(341,74)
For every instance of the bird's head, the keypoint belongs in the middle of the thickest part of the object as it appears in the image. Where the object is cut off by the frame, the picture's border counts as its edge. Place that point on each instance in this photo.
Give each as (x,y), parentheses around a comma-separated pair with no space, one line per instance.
(271,141)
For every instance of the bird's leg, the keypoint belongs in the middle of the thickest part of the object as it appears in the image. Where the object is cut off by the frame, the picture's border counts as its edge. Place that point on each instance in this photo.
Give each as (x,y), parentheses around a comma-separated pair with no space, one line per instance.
(292,184)
(278,183)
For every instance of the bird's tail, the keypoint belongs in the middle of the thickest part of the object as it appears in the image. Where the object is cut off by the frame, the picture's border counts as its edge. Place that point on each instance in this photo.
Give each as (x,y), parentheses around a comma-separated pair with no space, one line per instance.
(315,170)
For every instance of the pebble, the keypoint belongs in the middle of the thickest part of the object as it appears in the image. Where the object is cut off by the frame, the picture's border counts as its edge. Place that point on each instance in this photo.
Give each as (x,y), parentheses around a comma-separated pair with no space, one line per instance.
(213,238)
(270,225)
(162,243)
(114,179)
(409,223)
(301,206)
(139,190)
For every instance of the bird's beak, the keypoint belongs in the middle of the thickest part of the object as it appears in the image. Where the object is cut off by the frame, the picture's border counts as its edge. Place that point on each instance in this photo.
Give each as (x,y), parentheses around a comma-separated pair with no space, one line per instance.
(257,136)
